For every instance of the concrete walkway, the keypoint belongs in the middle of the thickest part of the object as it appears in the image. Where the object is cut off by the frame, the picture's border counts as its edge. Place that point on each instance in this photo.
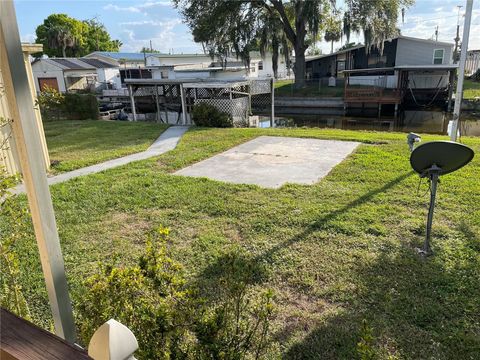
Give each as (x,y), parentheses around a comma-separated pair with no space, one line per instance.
(167,141)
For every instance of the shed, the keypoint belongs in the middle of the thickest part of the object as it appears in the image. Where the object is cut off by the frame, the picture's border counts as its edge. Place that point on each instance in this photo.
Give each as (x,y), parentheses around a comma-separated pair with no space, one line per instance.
(63,74)
(8,152)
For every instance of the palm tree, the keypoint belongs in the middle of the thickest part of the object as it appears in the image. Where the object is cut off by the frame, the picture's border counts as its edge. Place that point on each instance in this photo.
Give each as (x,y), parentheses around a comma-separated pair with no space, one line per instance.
(333,31)
(60,37)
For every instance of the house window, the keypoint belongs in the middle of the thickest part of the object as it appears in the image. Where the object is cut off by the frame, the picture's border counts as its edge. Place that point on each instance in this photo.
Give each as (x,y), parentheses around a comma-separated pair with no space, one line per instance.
(164,74)
(260,65)
(375,60)
(252,69)
(438,56)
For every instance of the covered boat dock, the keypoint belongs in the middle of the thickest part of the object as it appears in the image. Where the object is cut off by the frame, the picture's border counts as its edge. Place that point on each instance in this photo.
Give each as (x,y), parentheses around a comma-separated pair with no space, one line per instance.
(421,84)
(178,96)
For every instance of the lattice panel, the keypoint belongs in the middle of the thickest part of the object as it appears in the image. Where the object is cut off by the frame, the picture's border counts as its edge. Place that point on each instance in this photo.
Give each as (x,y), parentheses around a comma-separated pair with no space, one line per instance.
(144,91)
(236,108)
(260,86)
(261,103)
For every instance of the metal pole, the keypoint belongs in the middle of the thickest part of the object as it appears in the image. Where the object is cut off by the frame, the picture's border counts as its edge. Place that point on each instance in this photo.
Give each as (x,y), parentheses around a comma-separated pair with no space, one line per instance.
(30,152)
(159,118)
(461,70)
(184,107)
(272,119)
(433,191)
(132,102)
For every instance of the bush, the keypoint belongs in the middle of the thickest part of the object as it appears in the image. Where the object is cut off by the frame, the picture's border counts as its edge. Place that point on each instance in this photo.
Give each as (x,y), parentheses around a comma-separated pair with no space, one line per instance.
(13,218)
(209,116)
(76,106)
(81,106)
(168,317)
(475,76)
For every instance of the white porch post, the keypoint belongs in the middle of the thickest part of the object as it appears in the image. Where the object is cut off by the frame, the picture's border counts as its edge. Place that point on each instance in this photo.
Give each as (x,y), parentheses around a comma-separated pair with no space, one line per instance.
(132,102)
(184,105)
(30,152)
(159,118)
(272,119)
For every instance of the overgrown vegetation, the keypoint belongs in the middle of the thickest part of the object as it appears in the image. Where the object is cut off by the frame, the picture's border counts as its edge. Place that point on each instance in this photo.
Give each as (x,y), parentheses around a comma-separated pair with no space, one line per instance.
(167,315)
(471,89)
(76,144)
(335,253)
(12,229)
(207,115)
(77,106)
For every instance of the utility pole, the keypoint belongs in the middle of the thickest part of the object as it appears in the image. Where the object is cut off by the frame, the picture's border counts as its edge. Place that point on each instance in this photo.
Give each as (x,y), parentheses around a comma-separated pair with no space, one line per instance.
(461,70)
(436,33)
(151,48)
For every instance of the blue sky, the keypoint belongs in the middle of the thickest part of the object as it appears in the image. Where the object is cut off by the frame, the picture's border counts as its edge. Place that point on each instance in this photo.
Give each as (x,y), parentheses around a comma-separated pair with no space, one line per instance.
(136,22)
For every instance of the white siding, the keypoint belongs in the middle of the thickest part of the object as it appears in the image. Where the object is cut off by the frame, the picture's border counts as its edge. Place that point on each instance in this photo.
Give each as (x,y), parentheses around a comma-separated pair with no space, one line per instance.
(110,75)
(44,69)
(411,52)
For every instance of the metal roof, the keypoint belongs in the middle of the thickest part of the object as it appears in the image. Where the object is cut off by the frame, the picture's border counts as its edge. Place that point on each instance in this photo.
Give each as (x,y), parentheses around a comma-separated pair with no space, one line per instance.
(192,82)
(432,67)
(427,67)
(98,64)
(70,64)
(215,84)
(119,55)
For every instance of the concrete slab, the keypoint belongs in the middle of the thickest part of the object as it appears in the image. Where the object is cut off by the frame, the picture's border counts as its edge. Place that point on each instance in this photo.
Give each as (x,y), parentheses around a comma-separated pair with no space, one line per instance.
(271,162)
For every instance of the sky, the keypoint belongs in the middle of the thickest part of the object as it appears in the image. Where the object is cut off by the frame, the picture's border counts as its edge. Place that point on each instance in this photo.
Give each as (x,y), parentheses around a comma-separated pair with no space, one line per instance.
(136,22)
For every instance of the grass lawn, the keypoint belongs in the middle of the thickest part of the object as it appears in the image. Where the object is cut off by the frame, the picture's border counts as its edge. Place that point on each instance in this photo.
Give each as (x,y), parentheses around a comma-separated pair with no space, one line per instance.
(78,143)
(335,253)
(285,88)
(471,89)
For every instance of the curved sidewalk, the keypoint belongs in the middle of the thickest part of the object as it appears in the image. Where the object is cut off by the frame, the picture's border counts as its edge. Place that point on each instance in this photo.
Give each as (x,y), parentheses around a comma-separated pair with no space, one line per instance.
(167,141)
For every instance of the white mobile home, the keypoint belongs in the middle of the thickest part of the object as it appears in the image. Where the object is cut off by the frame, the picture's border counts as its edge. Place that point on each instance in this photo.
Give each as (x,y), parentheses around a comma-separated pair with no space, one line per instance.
(70,74)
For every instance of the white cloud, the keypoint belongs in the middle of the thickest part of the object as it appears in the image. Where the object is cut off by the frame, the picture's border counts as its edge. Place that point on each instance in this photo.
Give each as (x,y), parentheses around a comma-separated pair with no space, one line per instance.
(170,23)
(28,38)
(133,9)
(138,8)
(164,35)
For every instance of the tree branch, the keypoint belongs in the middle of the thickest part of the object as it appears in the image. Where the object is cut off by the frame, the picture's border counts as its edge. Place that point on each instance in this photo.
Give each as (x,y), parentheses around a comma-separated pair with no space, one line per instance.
(278,5)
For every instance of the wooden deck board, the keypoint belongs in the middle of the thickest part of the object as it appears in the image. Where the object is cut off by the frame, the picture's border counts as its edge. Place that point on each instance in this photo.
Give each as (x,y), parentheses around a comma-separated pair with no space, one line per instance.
(22,340)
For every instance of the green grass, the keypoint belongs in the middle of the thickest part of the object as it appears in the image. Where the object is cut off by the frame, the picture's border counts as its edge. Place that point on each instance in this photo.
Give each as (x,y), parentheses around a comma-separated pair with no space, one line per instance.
(75,144)
(471,89)
(335,253)
(286,88)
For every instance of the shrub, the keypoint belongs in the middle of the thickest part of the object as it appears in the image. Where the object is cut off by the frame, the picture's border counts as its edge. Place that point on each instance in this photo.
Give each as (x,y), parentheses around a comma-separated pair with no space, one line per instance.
(51,103)
(77,106)
(12,218)
(475,76)
(168,317)
(81,106)
(209,116)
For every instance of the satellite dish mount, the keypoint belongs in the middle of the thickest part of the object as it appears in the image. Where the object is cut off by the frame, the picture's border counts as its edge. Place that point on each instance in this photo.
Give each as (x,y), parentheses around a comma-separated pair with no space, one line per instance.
(432,159)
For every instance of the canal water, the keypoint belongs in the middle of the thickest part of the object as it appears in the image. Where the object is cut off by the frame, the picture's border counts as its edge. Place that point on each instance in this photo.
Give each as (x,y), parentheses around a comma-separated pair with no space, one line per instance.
(431,122)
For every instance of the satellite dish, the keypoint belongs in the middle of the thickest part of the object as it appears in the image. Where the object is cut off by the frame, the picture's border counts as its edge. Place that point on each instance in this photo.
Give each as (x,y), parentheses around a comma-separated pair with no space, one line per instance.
(431,160)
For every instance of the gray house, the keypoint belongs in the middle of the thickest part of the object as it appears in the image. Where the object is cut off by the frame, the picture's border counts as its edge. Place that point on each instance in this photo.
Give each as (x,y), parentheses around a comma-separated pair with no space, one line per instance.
(399,51)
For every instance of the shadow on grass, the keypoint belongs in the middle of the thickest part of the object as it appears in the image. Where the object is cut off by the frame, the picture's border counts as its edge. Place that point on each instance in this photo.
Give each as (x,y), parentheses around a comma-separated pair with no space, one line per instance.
(323,221)
(417,309)
(251,269)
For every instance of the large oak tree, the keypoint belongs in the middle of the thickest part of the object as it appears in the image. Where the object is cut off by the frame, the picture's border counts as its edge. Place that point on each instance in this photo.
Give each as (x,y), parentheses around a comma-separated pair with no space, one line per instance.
(224,26)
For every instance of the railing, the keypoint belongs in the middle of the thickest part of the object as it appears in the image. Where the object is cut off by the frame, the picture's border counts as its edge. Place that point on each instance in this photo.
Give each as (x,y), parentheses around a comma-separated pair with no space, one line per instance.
(363,93)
